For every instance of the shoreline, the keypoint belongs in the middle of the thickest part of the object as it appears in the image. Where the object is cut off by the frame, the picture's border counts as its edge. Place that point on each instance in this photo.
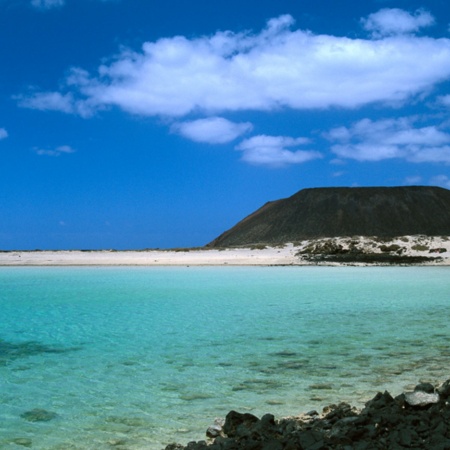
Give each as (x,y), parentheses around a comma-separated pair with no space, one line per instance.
(359,250)
(161,258)
(415,419)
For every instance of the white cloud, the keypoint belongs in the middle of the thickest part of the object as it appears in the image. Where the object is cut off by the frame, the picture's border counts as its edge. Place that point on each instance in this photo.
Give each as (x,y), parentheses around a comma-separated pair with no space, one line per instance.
(444,100)
(47,4)
(389,22)
(441,180)
(58,151)
(413,180)
(274,151)
(3,134)
(369,140)
(55,101)
(213,130)
(276,68)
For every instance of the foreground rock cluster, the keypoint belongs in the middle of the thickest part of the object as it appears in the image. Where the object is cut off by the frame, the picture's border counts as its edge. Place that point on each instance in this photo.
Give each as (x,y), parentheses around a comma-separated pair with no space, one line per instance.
(418,419)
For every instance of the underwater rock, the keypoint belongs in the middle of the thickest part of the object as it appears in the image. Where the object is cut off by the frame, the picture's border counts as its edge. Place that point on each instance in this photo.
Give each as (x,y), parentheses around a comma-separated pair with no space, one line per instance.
(321,386)
(24,442)
(38,415)
(116,442)
(10,351)
(127,421)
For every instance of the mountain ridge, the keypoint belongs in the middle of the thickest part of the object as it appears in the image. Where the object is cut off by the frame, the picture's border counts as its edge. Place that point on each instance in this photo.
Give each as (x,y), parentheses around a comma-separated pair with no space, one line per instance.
(344,212)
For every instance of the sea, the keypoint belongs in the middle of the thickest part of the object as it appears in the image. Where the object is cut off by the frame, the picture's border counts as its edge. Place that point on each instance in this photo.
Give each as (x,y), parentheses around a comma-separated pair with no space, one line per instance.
(139,357)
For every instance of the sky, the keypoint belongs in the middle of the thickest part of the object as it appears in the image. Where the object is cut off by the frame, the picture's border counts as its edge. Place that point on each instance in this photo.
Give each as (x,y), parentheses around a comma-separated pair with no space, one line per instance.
(133,124)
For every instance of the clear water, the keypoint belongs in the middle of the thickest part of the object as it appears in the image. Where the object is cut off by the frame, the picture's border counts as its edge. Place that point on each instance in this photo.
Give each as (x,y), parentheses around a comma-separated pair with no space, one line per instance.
(135,358)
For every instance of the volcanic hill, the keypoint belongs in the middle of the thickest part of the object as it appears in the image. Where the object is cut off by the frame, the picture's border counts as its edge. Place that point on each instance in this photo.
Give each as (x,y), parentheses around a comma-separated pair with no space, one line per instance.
(343,212)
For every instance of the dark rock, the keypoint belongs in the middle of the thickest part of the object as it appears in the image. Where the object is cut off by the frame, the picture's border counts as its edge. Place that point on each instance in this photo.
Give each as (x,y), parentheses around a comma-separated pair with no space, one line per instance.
(444,390)
(390,248)
(371,258)
(425,387)
(237,422)
(266,426)
(272,444)
(174,446)
(311,439)
(250,444)
(197,445)
(439,442)
(379,401)
(38,415)
(405,437)
(419,419)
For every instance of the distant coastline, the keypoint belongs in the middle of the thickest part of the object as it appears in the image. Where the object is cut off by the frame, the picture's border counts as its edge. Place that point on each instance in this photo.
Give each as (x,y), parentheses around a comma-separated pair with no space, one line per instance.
(356,250)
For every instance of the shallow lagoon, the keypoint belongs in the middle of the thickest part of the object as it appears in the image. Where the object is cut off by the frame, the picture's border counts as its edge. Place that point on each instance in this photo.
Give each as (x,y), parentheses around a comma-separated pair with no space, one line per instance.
(139,357)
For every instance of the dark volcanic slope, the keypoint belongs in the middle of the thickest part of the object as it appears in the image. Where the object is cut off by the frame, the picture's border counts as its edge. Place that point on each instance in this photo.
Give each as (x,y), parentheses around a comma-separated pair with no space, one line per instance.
(333,212)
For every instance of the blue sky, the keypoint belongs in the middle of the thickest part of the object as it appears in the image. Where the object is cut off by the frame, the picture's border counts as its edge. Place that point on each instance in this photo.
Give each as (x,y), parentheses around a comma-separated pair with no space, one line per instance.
(138,124)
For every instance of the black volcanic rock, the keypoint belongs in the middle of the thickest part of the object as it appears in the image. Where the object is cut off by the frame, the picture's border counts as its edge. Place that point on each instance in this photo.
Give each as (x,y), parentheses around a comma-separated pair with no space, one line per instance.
(339,212)
(385,423)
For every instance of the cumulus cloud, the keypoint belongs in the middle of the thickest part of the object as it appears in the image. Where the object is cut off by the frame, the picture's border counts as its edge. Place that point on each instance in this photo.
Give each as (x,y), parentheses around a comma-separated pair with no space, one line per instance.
(47,4)
(276,68)
(369,140)
(212,130)
(3,134)
(394,21)
(58,151)
(274,151)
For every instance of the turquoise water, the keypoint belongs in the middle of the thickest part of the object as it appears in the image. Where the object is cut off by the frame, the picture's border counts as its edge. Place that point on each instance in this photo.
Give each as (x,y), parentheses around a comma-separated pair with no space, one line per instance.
(135,358)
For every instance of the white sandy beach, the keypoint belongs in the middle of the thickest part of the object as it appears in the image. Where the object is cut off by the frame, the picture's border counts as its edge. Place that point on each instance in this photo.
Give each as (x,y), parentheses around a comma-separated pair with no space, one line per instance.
(282,255)
(194,257)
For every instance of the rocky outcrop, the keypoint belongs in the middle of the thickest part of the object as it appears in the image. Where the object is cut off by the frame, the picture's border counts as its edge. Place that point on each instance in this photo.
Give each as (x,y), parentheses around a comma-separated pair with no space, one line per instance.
(419,419)
(344,212)
(370,250)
